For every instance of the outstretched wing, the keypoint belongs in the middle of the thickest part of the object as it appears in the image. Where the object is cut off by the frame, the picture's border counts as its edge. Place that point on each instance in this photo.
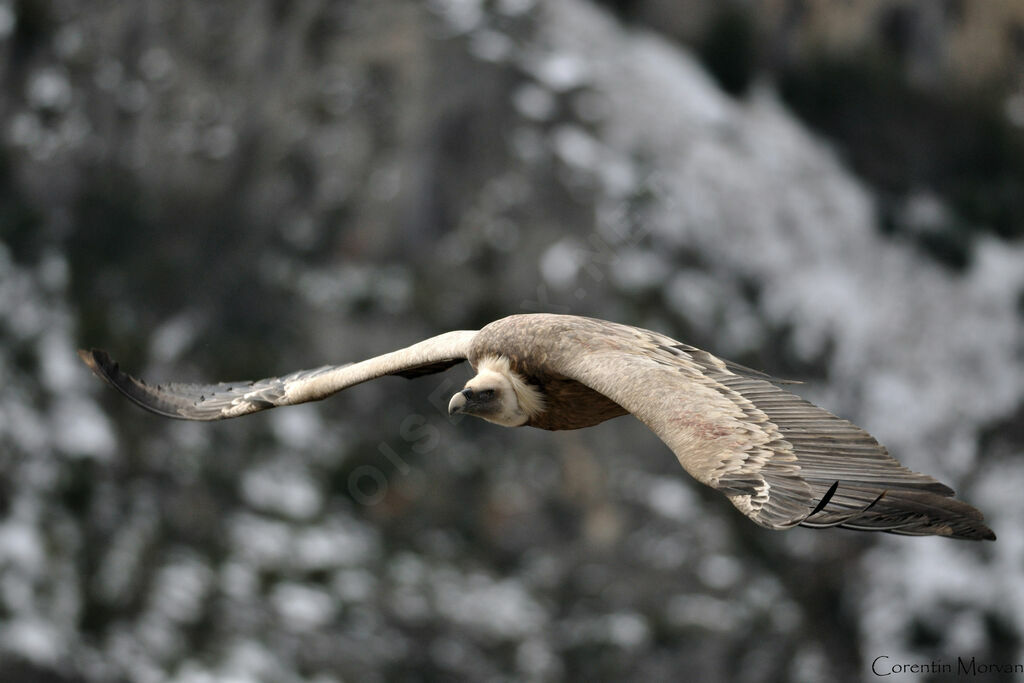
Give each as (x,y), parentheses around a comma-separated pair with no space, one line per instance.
(231,399)
(781,460)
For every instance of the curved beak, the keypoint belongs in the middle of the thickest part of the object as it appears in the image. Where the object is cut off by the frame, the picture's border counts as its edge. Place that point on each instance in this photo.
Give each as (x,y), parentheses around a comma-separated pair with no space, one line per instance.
(458,402)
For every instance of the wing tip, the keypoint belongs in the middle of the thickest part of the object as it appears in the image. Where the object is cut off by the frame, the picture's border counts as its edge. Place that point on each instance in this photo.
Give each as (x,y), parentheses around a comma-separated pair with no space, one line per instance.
(99,362)
(89,358)
(916,513)
(973,529)
(973,532)
(107,369)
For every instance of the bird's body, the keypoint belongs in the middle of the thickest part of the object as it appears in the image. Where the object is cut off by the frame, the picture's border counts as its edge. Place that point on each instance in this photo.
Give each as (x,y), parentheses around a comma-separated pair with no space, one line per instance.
(781,460)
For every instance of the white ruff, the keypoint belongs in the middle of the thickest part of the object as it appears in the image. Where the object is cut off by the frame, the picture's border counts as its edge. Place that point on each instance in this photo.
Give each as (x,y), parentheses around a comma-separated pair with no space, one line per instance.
(531,401)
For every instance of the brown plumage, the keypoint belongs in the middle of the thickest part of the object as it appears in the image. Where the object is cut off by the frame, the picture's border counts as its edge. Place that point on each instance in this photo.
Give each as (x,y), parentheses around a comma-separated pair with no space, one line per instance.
(781,460)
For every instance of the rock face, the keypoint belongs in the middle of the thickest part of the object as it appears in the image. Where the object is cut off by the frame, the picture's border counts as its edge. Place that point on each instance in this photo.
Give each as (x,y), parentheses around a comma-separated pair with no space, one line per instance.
(236,189)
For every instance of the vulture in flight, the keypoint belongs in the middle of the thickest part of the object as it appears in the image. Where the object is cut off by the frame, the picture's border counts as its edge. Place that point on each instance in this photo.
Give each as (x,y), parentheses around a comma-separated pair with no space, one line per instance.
(781,460)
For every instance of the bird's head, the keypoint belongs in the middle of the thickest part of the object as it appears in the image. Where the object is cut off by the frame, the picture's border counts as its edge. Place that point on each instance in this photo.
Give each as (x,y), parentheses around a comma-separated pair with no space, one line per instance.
(497,394)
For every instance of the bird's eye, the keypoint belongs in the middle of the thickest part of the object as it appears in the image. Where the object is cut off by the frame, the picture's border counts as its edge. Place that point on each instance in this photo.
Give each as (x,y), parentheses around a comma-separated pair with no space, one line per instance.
(486,394)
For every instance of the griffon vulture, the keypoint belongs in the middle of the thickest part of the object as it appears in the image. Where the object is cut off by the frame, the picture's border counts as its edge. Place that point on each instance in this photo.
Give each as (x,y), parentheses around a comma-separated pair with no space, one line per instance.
(781,460)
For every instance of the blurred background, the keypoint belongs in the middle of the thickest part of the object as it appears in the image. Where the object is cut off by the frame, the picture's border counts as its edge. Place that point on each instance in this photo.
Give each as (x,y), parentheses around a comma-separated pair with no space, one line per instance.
(231,189)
